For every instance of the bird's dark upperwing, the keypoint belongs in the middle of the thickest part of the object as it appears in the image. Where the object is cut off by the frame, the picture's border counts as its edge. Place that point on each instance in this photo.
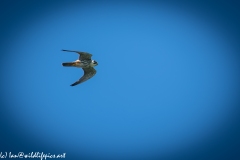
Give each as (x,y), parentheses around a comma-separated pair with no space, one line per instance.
(83,55)
(89,72)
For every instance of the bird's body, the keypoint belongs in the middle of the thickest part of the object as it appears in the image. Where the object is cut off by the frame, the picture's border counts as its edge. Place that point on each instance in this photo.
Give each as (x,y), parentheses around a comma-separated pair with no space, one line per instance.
(79,64)
(86,63)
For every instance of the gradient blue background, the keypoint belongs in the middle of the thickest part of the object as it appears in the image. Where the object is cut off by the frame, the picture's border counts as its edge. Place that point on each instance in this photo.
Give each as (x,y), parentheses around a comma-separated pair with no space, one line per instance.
(167,83)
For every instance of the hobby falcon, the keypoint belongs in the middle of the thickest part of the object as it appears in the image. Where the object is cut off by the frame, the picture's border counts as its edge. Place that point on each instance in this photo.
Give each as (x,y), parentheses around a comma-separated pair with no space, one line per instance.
(85,62)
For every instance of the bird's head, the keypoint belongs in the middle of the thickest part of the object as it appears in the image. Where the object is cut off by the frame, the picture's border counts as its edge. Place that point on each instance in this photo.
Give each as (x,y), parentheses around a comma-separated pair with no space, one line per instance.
(95,63)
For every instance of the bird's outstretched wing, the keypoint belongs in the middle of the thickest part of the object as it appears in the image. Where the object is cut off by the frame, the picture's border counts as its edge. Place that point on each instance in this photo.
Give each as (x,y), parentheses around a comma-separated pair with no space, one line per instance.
(89,72)
(82,55)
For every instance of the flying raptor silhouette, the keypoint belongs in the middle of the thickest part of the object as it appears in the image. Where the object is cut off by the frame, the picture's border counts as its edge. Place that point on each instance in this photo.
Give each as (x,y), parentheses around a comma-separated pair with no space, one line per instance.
(85,62)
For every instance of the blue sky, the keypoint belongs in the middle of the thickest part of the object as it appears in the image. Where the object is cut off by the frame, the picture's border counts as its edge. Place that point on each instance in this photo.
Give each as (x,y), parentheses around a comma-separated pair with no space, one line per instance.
(166,82)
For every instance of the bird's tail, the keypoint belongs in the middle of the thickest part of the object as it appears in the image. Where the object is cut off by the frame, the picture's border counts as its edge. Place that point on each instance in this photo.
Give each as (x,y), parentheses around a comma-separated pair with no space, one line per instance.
(69,64)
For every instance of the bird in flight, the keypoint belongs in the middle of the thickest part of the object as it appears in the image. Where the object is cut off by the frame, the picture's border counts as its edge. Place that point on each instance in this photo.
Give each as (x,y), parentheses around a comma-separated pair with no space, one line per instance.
(85,62)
